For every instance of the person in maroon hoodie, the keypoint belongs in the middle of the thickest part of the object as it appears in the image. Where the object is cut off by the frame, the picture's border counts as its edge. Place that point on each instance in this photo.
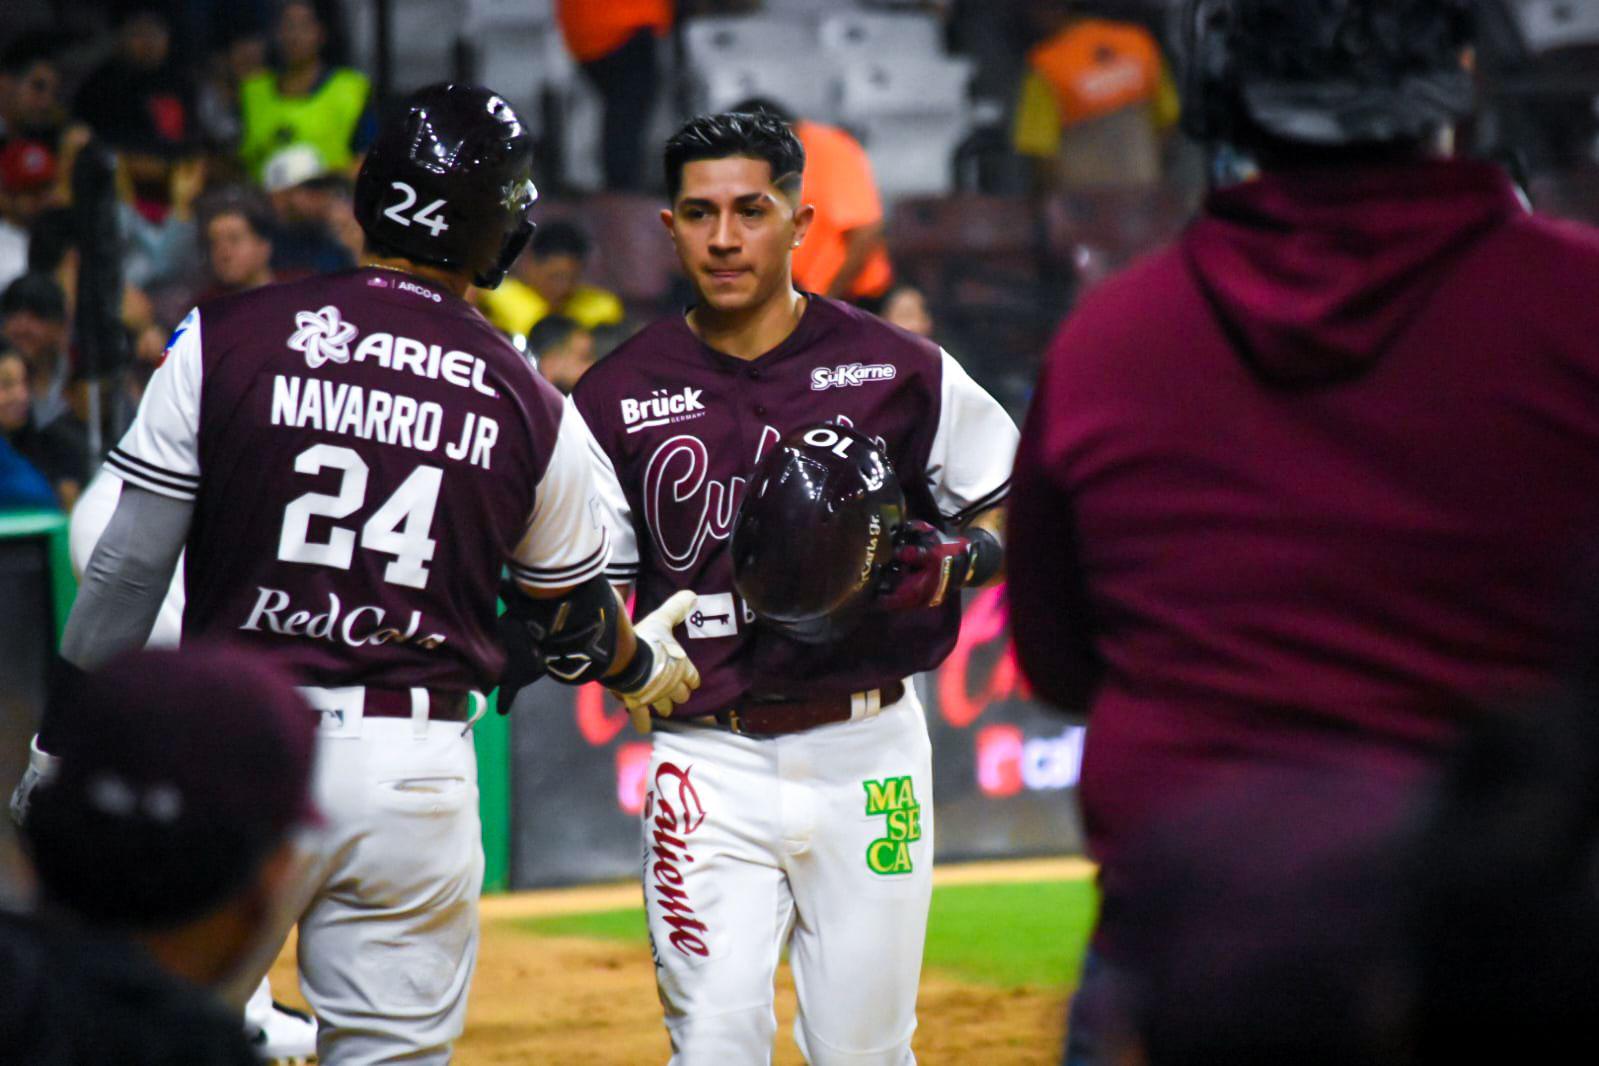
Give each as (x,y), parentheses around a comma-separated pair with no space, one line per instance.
(1307,487)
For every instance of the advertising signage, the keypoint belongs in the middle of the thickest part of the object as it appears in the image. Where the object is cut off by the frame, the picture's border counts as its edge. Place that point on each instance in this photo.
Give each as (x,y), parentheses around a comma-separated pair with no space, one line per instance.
(1005,768)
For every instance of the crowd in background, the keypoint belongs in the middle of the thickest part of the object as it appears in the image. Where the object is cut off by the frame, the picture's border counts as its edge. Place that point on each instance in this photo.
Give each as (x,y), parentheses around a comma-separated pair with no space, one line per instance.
(238,128)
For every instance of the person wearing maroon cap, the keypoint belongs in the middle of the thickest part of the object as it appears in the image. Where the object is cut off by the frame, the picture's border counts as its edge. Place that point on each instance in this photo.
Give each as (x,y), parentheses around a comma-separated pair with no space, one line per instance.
(163,857)
(1300,490)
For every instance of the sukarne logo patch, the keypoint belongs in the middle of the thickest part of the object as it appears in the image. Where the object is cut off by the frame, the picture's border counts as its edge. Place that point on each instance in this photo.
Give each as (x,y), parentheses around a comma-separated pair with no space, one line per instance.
(850,375)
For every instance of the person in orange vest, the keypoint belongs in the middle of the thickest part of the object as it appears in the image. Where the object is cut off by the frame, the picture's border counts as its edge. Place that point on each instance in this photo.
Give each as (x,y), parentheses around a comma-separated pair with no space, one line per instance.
(843,254)
(614,43)
(1097,103)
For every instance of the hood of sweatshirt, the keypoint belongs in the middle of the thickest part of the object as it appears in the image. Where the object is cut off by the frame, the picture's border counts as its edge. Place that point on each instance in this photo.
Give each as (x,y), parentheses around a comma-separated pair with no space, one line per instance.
(1313,275)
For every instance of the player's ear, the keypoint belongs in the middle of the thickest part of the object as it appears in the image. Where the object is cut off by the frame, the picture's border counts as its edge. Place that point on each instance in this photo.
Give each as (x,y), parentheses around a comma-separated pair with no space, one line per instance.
(802,222)
(666,220)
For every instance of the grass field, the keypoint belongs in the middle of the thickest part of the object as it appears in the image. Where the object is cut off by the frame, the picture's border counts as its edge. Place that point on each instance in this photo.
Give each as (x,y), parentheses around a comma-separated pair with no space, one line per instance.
(1028,934)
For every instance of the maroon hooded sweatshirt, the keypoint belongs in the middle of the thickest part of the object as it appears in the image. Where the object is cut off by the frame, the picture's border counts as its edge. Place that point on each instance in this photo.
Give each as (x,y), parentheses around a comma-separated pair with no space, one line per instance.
(1306,487)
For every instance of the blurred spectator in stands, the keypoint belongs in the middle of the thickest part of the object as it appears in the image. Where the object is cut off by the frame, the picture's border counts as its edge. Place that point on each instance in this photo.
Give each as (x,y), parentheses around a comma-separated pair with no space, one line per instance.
(548,279)
(906,307)
(33,321)
(843,255)
(614,43)
(561,349)
(1098,103)
(31,105)
(21,485)
(304,100)
(59,450)
(241,57)
(140,100)
(238,243)
(157,217)
(316,233)
(187,772)
(27,184)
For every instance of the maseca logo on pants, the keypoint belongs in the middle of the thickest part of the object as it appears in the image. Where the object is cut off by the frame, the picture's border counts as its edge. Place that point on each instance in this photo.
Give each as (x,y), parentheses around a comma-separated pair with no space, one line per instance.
(673,803)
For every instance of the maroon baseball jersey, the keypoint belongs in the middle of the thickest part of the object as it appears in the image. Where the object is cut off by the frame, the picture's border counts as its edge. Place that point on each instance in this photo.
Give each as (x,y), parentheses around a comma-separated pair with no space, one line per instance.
(680,427)
(364,453)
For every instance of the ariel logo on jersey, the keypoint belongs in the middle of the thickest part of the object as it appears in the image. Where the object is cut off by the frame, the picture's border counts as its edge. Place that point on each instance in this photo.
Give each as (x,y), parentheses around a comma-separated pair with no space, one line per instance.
(894,798)
(323,336)
(673,806)
(852,374)
(662,407)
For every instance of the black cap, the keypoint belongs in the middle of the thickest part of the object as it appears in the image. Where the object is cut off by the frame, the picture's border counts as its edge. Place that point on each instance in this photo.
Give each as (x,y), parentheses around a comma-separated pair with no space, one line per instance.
(180,770)
(449,182)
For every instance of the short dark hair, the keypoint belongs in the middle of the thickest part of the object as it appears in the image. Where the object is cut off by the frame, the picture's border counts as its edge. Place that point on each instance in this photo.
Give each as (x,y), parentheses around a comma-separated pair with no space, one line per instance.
(560,238)
(551,331)
(37,294)
(755,135)
(756,104)
(258,217)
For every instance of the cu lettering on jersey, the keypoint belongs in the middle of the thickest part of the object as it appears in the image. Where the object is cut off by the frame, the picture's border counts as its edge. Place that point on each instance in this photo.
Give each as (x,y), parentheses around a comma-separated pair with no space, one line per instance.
(683,506)
(672,812)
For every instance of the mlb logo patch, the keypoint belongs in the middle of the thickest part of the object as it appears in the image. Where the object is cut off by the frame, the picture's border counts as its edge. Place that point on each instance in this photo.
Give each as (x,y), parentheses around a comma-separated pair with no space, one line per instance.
(713,616)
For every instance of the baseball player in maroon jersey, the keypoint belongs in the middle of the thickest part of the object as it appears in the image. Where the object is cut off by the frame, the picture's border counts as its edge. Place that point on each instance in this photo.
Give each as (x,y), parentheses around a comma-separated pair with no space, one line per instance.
(350,461)
(790,798)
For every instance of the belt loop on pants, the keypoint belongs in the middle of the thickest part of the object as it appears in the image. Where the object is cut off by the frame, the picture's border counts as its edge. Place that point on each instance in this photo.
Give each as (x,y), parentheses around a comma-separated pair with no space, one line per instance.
(865,704)
(780,716)
(421,701)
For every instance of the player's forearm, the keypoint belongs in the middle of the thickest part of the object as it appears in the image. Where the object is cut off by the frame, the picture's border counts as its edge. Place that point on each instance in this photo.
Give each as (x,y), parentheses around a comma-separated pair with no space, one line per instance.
(859,244)
(127,578)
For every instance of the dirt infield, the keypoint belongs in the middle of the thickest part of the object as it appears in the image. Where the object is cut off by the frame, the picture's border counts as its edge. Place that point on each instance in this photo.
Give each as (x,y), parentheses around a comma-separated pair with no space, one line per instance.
(565,1001)
(557,1001)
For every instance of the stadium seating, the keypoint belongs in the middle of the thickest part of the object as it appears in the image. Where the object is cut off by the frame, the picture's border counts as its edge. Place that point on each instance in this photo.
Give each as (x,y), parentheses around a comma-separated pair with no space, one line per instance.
(849,36)
(1549,25)
(911,115)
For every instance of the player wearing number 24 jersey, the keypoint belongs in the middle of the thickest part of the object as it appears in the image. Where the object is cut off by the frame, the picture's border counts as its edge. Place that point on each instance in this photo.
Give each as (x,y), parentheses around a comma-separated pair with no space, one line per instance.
(386,435)
(351,462)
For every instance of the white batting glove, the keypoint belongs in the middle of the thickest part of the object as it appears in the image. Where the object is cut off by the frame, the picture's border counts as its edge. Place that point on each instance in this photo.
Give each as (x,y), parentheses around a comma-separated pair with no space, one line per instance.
(42,767)
(673,675)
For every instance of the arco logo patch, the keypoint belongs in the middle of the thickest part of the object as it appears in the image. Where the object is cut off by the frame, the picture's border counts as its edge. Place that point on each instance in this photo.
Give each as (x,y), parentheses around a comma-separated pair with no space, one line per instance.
(895,799)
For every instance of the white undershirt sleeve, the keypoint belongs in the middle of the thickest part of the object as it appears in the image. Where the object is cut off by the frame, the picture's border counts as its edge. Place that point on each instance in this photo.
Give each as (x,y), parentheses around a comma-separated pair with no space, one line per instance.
(161,450)
(566,542)
(969,464)
(614,511)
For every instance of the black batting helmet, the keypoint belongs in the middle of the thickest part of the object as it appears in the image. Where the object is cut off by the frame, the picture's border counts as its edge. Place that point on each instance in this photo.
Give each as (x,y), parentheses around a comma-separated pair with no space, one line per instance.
(815,530)
(1326,73)
(449,181)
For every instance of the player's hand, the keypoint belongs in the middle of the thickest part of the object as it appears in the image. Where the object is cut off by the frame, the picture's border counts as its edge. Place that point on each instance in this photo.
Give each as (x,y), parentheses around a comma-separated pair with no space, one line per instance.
(673,675)
(524,663)
(927,567)
(41,767)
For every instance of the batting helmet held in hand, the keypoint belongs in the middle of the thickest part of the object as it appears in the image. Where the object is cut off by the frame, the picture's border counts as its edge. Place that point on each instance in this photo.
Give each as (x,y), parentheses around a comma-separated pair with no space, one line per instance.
(449,181)
(1327,73)
(815,530)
